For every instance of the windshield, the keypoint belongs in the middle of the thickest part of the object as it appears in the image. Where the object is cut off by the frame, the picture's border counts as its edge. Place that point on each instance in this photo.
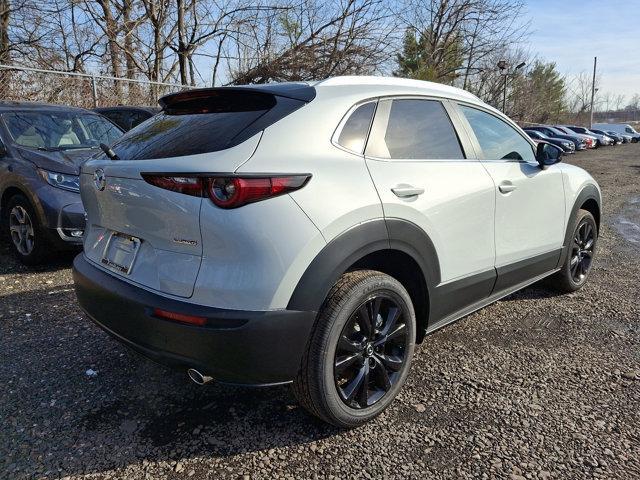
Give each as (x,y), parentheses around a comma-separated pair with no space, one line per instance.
(60,130)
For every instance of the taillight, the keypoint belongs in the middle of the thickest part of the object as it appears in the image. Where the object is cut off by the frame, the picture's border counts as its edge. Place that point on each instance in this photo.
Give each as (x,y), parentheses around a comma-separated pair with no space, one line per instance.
(233,192)
(229,191)
(186,185)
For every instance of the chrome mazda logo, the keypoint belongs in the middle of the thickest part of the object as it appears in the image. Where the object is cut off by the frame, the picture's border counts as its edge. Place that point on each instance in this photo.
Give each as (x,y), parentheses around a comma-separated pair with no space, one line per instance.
(99,179)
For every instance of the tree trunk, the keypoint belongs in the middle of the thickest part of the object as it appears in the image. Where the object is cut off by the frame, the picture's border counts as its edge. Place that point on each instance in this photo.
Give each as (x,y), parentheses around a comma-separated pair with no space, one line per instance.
(129,50)
(4,46)
(4,30)
(182,47)
(111,29)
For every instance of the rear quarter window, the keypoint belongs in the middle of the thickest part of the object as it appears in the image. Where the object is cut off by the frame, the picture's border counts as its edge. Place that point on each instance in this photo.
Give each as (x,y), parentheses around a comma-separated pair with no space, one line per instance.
(355,130)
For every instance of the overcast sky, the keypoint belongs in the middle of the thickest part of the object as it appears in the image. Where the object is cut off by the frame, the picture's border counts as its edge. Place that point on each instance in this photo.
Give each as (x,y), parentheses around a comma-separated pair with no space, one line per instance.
(572,32)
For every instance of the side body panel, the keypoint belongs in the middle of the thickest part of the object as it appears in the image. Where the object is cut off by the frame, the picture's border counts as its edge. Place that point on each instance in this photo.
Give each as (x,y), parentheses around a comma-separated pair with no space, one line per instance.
(530,206)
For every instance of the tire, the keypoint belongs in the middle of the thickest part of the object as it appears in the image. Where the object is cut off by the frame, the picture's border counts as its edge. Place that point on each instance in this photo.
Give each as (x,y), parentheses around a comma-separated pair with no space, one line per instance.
(22,221)
(572,276)
(340,352)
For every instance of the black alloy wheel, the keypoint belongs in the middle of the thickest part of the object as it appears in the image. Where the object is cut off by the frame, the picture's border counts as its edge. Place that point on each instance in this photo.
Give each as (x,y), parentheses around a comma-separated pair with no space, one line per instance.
(371,352)
(582,251)
(360,349)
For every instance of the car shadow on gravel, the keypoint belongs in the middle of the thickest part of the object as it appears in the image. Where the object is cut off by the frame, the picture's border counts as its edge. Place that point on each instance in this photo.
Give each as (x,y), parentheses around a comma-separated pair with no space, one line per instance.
(534,292)
(79,386)
(10,264)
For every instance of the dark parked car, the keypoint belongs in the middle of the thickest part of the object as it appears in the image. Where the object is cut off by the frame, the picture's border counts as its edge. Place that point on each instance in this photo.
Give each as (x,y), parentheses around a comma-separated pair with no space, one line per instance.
(617,139)
(552,132)
(127,117)
(41,149)
(566,145)
(603,140)
(625,137)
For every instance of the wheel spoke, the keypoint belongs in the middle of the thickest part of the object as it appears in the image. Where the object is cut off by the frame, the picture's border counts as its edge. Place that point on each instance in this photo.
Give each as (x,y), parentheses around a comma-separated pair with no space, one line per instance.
(343,362)
(373,315)
(575,263)
(392,363)
(19,214)
(589,244)
(351,388)
(344,344)
(392,318)
(365,321)
(584,266)
(363,393)
(382,375)
(576,239)
(399,330)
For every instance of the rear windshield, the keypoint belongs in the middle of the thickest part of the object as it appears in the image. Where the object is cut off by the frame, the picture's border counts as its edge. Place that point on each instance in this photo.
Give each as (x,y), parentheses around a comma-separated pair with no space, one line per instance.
(202,124)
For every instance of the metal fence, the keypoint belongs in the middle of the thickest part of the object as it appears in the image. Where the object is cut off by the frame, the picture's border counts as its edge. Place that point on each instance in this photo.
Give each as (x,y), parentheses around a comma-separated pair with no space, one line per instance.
(78,89)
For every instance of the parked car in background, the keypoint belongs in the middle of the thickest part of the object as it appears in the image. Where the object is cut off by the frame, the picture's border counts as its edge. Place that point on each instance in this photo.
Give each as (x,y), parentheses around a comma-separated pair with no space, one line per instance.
(552,132)
(602,140)
(591,141)
(617,139)
(127,117)
(567,146)
(621,128)
(626,138)
(367,233)
(41,149)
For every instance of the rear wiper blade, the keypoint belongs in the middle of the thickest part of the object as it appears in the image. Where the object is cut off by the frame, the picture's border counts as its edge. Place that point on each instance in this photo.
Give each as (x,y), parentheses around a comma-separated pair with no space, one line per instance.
(49,149)
(108,152)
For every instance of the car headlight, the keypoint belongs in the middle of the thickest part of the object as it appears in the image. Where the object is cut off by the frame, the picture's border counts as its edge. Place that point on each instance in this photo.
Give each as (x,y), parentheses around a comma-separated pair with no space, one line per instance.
(61,180)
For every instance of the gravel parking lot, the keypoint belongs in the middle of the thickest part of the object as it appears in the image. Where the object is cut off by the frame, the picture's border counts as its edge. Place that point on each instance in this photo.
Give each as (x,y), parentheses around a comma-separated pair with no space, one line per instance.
(535,386)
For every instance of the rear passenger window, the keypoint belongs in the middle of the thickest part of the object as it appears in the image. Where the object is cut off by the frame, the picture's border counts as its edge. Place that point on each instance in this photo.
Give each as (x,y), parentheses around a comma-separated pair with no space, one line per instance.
(416,129)
(498,140)
(355,130)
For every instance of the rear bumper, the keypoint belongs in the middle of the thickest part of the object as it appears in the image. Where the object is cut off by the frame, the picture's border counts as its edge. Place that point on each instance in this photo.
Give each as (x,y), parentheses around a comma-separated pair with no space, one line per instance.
(240,347)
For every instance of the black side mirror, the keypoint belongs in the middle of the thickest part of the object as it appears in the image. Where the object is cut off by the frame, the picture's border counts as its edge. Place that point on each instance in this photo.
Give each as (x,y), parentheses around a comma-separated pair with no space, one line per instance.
(547,154)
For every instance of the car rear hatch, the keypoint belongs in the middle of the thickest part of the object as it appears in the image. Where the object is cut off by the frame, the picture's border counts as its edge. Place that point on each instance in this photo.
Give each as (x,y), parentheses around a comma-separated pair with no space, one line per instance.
(146,231)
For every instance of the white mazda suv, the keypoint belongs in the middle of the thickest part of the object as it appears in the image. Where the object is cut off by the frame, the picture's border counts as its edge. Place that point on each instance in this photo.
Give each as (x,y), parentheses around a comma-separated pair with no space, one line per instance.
(314,232)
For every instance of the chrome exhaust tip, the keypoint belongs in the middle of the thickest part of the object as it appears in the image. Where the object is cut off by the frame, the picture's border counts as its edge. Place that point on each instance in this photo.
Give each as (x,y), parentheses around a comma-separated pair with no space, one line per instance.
(198,377)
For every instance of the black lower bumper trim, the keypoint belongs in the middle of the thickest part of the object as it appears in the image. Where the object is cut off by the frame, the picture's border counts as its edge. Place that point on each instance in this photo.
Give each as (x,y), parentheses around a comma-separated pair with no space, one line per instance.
(240,347)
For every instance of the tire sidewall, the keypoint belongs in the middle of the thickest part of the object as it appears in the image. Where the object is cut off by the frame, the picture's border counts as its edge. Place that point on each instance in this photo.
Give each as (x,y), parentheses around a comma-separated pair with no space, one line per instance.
(384,285)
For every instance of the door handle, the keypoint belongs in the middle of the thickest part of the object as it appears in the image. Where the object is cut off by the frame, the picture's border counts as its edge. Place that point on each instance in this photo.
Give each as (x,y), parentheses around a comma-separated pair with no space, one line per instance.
(506,187)
(404,191)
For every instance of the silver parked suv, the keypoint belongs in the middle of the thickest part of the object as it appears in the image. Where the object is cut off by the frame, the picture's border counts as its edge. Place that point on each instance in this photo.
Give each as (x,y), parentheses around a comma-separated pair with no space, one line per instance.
(315,232)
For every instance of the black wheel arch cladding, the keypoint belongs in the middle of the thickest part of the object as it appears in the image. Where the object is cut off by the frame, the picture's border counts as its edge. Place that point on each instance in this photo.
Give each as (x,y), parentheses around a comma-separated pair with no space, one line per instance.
(354,244)
(587,195)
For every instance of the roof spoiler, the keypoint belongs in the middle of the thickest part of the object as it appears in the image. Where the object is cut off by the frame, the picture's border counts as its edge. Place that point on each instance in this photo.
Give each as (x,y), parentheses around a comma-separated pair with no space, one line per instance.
(296,91)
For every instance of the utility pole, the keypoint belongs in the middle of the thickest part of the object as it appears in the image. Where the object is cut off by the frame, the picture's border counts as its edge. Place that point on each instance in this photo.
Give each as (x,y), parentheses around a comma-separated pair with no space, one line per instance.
(593,91)
(504,70)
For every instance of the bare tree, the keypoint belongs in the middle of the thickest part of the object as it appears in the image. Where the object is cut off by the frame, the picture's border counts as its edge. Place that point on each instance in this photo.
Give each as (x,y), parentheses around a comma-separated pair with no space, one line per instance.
(477,28)
(314,39)
(5,15)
